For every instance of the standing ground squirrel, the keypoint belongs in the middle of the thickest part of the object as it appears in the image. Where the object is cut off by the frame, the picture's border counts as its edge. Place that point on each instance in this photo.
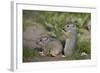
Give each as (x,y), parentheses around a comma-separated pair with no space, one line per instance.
(70,41)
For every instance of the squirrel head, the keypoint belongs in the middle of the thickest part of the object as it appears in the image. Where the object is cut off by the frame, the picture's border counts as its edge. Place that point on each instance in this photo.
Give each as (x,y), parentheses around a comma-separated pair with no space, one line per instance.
(70,27)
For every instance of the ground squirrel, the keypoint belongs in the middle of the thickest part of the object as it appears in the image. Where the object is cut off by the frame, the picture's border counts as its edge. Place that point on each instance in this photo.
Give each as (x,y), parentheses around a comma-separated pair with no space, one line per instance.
(70,41)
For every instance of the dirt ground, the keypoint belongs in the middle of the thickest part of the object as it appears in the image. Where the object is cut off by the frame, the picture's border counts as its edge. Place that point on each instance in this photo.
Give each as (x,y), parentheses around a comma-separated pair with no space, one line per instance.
(46,59)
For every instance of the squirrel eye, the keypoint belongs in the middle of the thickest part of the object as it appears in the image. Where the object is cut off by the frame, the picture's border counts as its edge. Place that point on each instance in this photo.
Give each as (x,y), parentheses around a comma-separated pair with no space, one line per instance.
(67,25)
(40,40)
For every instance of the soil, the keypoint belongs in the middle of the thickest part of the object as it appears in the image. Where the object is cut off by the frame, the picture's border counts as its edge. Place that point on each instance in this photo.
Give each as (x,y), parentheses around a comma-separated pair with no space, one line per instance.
(46,58)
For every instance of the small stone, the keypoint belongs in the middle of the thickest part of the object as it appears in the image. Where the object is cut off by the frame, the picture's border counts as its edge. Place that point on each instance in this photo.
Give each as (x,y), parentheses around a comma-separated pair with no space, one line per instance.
(41,54)
(63,56)
(84,54)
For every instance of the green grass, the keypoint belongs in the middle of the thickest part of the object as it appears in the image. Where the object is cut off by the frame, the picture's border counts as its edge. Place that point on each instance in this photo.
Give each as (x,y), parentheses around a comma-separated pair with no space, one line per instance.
(55,21)
(29,53)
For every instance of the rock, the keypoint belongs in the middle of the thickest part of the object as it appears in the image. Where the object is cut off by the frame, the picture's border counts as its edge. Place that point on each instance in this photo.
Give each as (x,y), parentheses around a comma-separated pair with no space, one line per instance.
(84,54)
(32,34)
